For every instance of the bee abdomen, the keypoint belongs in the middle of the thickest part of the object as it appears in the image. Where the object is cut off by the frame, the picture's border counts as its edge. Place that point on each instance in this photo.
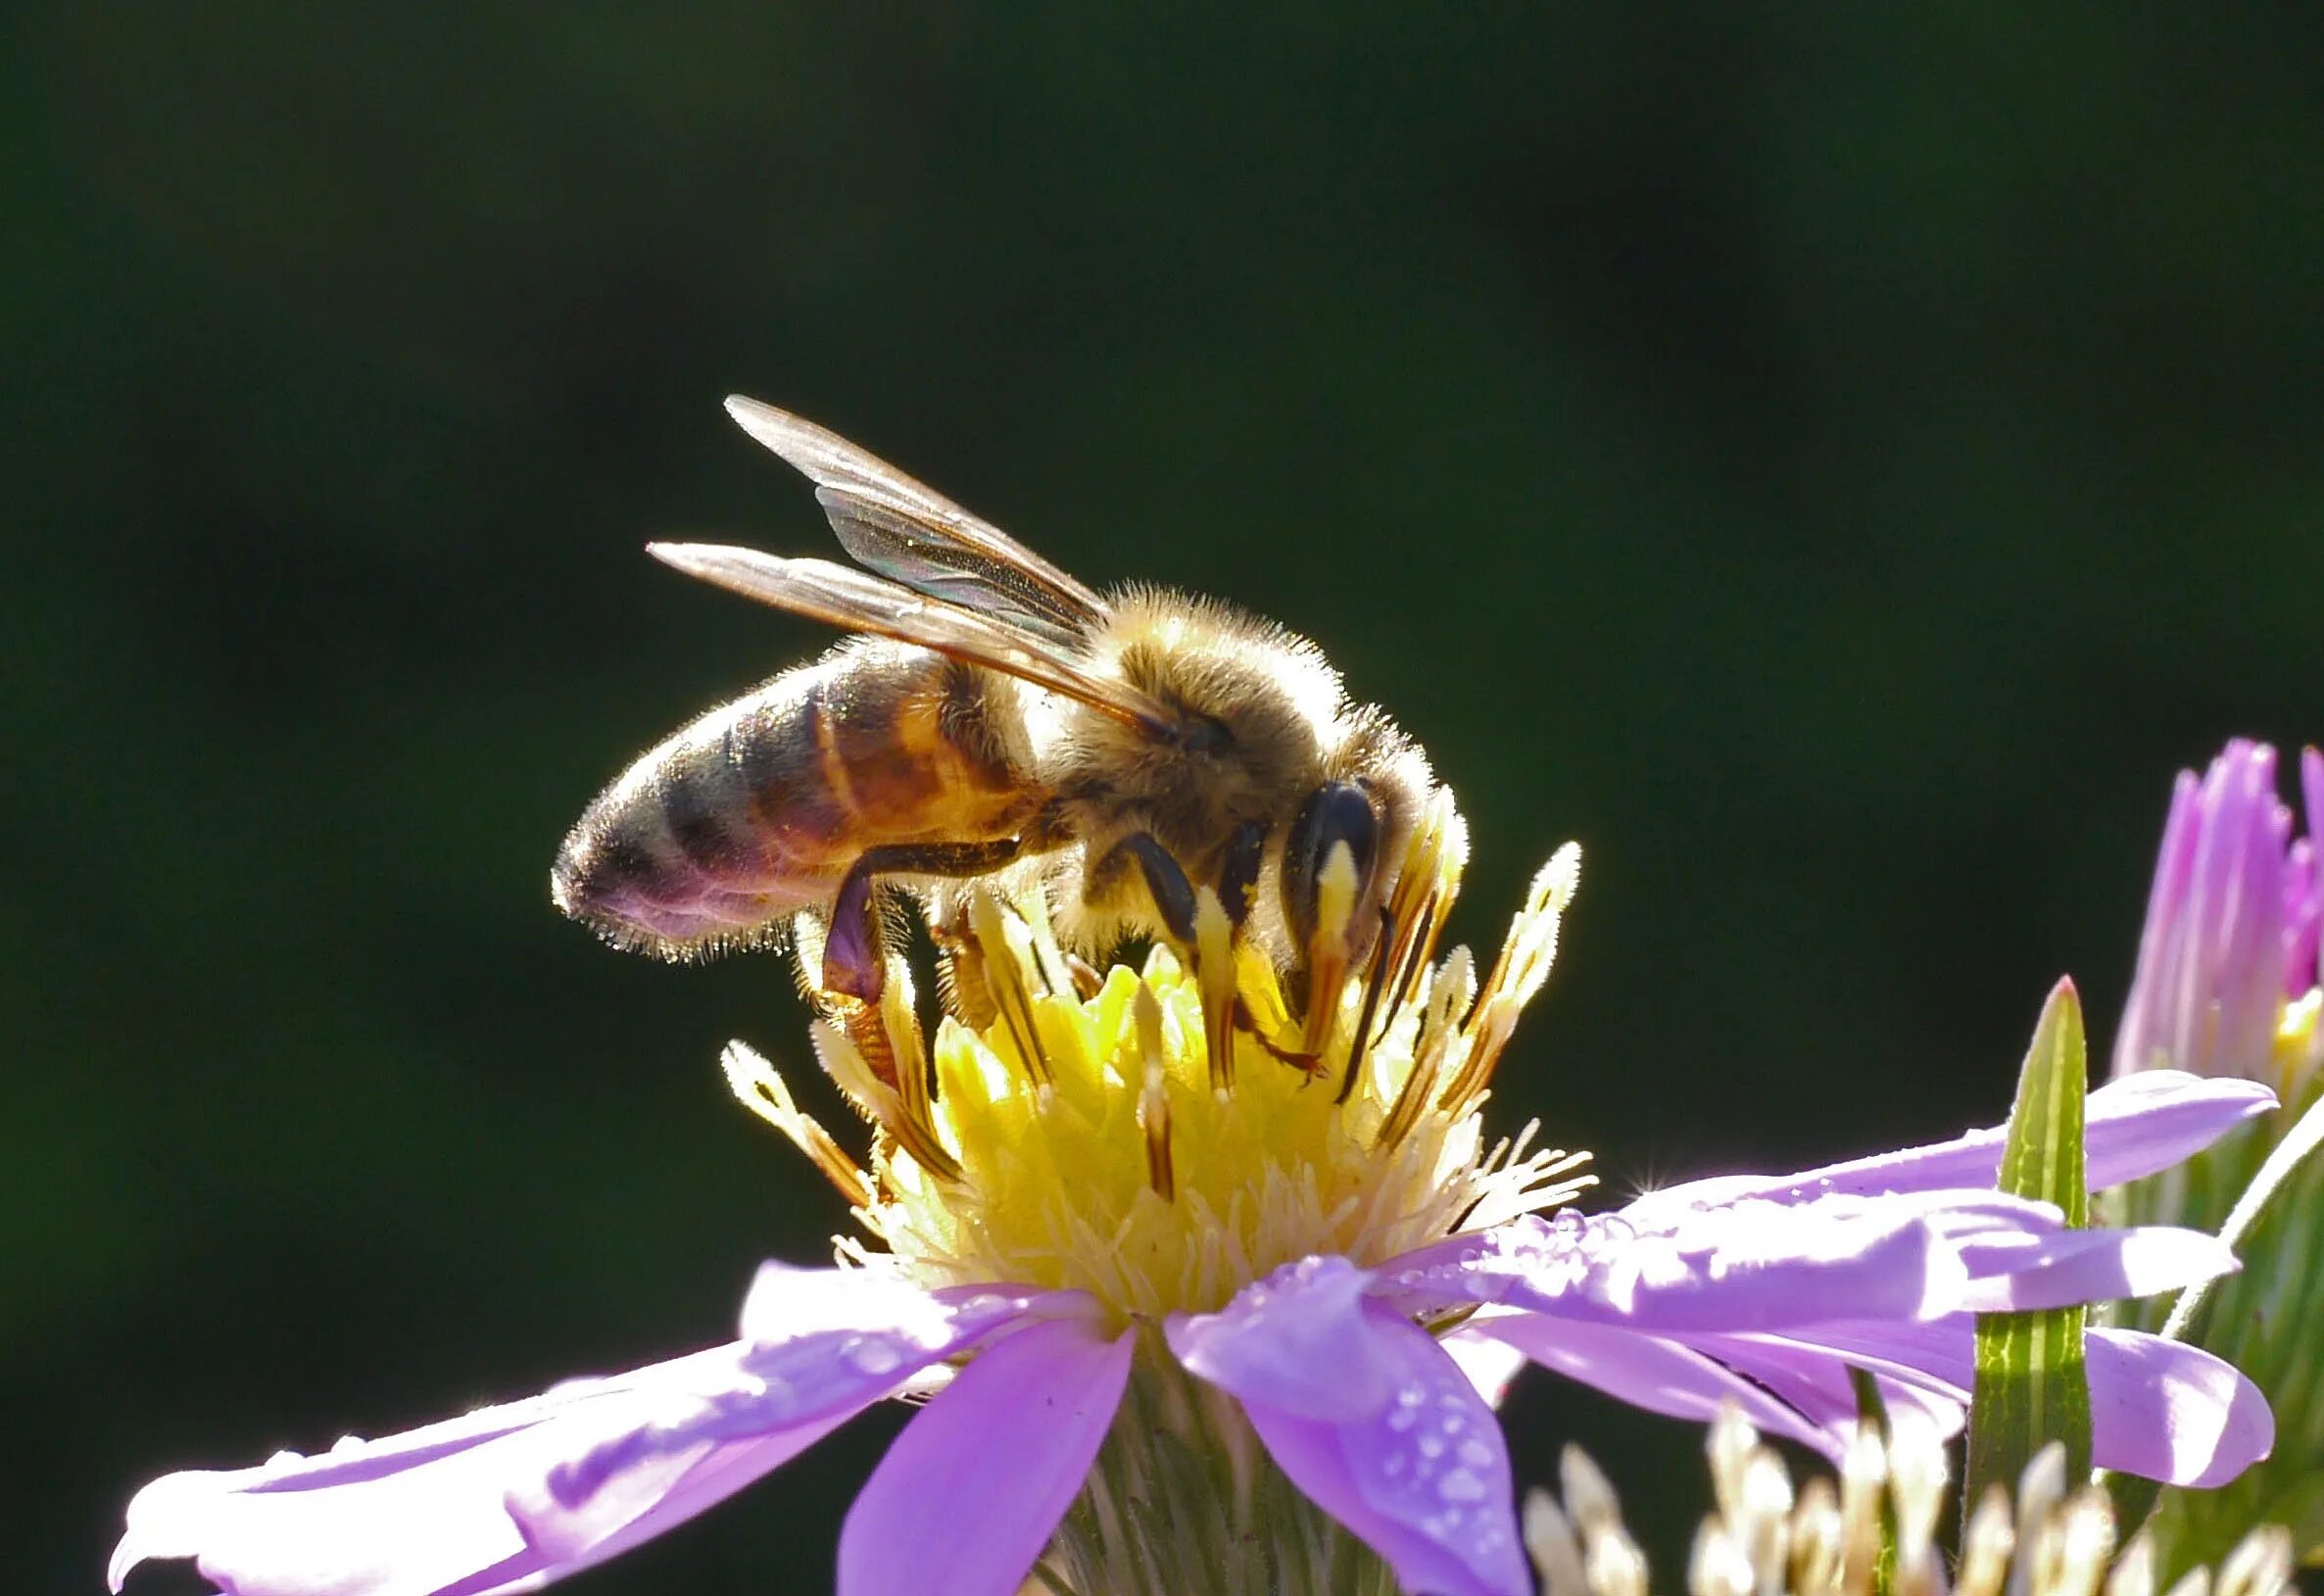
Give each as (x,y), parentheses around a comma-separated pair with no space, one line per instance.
(754,810)
(717,834)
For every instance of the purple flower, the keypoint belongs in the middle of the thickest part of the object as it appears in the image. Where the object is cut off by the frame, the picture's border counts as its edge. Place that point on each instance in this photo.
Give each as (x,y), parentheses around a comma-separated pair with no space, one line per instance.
(2232,925)
(2229,984)
(1761,1293)
(1145,1184)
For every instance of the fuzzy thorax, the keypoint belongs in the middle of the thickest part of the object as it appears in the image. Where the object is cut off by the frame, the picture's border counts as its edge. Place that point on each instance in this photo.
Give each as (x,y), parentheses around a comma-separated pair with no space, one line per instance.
(1152,1136)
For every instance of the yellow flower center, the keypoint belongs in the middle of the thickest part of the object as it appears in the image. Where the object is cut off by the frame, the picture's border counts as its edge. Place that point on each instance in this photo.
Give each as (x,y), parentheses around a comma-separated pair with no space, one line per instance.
(1157,1135)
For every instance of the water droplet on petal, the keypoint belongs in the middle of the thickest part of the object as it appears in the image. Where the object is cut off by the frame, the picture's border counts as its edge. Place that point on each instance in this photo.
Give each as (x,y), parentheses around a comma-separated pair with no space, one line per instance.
(872,1357)
(1460,1485)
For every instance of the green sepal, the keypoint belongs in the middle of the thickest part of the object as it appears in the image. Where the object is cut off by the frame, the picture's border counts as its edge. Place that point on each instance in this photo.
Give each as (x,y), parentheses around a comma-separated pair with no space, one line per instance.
(2032,1386)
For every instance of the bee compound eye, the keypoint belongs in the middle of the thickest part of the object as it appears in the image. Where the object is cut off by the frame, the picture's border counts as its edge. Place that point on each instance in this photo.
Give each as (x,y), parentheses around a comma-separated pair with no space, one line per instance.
(1337,814)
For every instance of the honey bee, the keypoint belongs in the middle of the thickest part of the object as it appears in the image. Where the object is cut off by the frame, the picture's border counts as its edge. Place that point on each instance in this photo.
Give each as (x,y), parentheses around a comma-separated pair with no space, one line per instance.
(1119,753)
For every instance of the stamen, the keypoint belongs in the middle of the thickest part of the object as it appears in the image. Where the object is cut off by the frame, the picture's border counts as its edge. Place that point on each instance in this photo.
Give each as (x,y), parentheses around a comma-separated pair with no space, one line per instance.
(2085,1541)
(1525,961)
(1435,1035)
(1864,1480)
(1416,941)
(1153,1100)
(844,1062)
(1551,1543)
(915,1137)
(1374,983)
(1214,980)
(1038,944)
(1815,1539)
(759,1088)
(1005,965)
(899,1021)
(1128,1132)
(1987,1544)
(1426,888)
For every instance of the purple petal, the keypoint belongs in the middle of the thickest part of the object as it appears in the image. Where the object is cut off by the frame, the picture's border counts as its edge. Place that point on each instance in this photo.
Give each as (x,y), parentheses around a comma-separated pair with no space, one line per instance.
(823,1341)
(2013,1274)
(2173,1412)
(2142,1033)
(424,1512)
(1298,1336)
(656,1496)
(787,1304)
(1423,1482)
(532,1490)
(972,1490)
(1647,1371)
(1738,1266)
(2304,912)
(2132,1127)
(2231,925)
(1490,1361)
(1816,1381)
(2158,1409)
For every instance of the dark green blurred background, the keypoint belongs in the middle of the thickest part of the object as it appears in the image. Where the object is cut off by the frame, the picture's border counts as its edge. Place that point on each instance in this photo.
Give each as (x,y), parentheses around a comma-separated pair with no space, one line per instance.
(1836,464)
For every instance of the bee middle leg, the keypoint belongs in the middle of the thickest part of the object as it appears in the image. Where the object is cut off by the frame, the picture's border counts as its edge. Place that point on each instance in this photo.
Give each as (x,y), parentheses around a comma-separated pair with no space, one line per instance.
(855,957)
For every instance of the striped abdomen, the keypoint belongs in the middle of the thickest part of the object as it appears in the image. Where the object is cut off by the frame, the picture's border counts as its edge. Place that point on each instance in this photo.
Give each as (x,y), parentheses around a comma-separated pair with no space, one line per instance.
(756,810)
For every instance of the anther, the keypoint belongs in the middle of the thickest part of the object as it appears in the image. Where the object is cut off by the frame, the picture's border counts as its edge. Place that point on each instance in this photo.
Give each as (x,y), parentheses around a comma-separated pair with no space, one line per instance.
(1153,1096)
(759,1088)
(1005,978)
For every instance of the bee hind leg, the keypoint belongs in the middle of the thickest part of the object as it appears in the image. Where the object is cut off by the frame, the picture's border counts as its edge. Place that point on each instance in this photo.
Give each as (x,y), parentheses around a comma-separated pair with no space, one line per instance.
(854,955)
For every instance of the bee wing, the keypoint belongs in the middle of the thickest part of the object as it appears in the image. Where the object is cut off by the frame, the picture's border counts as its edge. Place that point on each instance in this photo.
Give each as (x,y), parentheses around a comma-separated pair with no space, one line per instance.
(924,557)
(845,597)
(906,530)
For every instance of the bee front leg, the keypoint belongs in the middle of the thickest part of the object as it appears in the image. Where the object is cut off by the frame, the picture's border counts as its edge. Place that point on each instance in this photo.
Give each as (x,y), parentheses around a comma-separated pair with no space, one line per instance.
(854,955)
(1208,949)
(1238,870)
(1165,881)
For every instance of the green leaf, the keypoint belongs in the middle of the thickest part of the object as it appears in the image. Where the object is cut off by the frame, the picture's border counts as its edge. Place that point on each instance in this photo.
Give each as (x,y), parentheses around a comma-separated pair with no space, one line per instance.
(2134,1498)
(2032,1387)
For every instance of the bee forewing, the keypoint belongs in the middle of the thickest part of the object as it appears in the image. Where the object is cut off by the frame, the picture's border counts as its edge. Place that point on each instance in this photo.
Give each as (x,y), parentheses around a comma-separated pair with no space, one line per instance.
(898,543)
(847,597)
(915,534)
